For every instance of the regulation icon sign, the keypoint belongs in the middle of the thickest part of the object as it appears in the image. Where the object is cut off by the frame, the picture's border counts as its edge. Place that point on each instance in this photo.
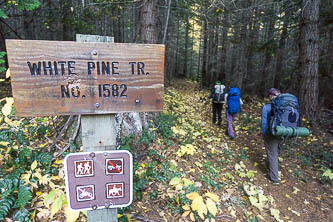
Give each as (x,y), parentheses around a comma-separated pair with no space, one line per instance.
(97,180)
(84,193)
(114,166)
(114,190)
(84,168)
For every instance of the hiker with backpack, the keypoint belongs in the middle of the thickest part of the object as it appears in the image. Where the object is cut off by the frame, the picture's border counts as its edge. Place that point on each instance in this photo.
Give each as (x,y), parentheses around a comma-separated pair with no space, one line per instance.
(233,101)
(279,120)
(271,143)
(217,96)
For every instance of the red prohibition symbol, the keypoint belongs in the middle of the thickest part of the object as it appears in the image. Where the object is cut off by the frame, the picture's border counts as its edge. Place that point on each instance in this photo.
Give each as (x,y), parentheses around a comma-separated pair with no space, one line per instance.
(114,166)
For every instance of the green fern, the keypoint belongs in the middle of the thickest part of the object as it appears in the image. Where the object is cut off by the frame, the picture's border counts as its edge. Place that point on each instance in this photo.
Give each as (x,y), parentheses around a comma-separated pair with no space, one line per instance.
(7,187)
(5,205)
(23,156)
(28,5)
(43,158)
(23,197)
(22,215)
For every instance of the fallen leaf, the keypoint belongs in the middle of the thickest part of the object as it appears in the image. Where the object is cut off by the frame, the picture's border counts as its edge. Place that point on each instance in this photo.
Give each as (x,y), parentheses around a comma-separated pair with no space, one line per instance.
(276,214)
(3,143)
(57,204)
(34,165)
(186,213)
(213,196)
(6,109)
(192,217)
(192,196)
(295,190)
(71,215)
(211,206)
(199,206)
(8,73)
(43,213)
(175,181)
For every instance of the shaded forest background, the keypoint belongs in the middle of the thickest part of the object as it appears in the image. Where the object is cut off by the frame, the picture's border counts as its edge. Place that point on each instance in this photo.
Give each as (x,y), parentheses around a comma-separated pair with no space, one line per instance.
(253,44)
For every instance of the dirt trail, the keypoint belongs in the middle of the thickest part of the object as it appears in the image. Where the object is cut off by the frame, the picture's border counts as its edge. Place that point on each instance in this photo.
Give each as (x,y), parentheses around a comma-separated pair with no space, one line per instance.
(240,164)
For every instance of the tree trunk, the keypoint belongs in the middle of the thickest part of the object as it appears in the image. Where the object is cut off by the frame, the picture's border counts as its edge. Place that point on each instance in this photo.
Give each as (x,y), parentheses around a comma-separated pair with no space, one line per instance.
(225,24)
(267,58)
(204,56)
(191,65)
(250,82)
(199,61)
(242,63)
(309,48)
(216,49)
(234,54)
(187,27)
(177,47)
(166,22)
(279,68)
(149,22)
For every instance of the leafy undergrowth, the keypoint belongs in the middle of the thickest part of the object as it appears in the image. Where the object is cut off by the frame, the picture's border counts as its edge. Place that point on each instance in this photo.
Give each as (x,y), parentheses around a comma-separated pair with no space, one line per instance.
(186,168)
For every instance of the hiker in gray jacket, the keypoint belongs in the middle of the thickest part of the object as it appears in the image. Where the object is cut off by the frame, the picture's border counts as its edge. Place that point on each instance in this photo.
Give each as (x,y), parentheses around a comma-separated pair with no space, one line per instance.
(217,96)
(271,143)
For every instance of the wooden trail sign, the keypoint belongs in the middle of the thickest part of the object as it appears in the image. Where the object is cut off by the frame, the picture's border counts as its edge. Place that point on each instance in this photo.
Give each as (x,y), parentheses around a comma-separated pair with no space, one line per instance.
(65,78)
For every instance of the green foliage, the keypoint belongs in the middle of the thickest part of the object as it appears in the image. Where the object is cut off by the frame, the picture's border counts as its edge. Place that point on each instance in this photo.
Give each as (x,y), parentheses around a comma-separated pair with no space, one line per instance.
(3,16)
(22,215)
(154,195)
(14,195)
(6,203)
(2,54)
(326,176)
(146,137)
(28,5)
(23,197)
(163,123)
(210,177)
(18,157)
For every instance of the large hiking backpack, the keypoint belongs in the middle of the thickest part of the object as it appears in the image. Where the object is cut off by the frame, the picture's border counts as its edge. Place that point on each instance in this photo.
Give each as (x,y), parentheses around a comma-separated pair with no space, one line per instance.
(219,94)
(285,112)
(234,101)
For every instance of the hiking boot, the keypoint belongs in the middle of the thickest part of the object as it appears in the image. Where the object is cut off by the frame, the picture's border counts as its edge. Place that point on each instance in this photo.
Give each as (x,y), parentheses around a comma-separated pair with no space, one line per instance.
(232,137)
(219,122)
(275,183)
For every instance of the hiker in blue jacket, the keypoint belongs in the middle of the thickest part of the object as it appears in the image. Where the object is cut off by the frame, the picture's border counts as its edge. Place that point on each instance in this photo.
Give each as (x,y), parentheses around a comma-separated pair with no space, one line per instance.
(233,101)
(271,143)
(217,96)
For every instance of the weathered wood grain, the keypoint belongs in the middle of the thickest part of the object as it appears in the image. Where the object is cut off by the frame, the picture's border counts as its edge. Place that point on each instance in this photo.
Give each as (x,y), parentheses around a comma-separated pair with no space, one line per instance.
(41,95)
(99,133)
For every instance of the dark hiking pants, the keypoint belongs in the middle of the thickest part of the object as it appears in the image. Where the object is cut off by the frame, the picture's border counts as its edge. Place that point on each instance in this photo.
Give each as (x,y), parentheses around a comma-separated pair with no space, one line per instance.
(217,110)
(272,151)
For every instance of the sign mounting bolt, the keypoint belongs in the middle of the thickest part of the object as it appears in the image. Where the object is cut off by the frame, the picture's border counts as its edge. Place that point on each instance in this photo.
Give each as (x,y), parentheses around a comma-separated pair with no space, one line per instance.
(94,207)
(94,52)
(92,155)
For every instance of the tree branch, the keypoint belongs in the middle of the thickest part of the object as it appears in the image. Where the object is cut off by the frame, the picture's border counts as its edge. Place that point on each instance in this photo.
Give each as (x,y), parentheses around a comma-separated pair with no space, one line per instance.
(1,20)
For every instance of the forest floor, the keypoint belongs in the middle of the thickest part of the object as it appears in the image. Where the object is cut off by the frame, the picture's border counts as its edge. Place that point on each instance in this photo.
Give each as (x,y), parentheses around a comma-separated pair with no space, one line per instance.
(234,170)
(185,167)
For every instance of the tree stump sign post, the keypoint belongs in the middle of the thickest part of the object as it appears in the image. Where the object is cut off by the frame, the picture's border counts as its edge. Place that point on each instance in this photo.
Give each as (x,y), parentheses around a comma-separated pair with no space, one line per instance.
(97,77)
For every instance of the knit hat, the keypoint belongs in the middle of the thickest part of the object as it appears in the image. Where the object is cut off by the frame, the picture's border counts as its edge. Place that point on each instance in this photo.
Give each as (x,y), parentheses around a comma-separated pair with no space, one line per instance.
(274,92)
(218,83)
